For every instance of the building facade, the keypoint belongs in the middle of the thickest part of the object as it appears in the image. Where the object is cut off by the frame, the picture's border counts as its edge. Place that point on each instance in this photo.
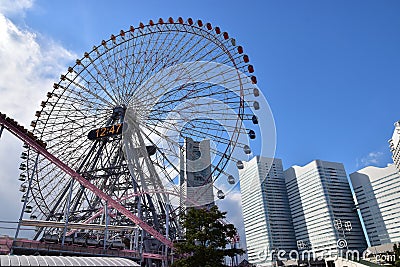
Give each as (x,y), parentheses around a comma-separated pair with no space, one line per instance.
(323,210)
(395,145)
(267,220)
(378,193)
(196,171)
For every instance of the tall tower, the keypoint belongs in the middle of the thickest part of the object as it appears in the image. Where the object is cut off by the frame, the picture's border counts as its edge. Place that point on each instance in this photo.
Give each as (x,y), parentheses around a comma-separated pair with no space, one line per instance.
(197,182)
(395,145)
(323,209)
(378,192)
(267,220)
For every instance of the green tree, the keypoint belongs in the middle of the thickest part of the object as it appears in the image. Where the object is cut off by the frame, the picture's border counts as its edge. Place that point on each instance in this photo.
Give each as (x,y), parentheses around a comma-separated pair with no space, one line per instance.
(206,239)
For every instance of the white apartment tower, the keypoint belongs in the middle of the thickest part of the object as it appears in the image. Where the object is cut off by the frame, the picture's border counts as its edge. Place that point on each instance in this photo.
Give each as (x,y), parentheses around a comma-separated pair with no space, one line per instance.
(378,193)
(320,197)
(395,145)
(266,213)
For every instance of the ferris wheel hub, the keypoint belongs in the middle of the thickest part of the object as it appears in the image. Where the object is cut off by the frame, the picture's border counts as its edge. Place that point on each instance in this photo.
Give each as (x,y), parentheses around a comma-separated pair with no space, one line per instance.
(119,112)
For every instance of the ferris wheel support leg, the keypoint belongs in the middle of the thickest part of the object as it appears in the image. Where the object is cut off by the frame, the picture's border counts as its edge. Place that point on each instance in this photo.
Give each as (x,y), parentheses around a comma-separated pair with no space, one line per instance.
(25,203)
(139,208)
(146,164)
(139,213)
(106,230)
(165,262)
(141,249)
(181,189)
(66,213)
(153,178)
(1,130)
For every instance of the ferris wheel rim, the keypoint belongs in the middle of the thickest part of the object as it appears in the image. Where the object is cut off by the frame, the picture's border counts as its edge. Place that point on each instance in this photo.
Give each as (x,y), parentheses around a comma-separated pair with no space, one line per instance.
(111,40)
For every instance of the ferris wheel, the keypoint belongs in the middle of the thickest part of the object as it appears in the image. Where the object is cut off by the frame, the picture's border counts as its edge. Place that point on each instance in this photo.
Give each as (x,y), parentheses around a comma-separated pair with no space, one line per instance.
(155,117)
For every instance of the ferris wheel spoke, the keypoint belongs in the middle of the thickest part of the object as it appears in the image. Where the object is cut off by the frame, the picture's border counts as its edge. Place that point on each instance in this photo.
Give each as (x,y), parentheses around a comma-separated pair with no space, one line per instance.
(141,58)
(143,74)
(86,90)
(183,48)
(221,43)
(210,42)
(206,123)
(131,57)
(163,151)
(49,175)
(111,72)
(195,132)
(162,107)
(193,92)
(117,72)
(87,106)
(125,66)
(54,203)
(99,83)
(171,57)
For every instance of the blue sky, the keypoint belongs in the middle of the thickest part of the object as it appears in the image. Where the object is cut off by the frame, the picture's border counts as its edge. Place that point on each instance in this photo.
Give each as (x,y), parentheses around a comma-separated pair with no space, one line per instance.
(329,69)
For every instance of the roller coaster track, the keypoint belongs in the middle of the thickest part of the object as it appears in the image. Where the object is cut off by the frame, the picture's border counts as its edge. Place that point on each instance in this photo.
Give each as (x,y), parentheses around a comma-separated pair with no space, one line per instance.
(40,147)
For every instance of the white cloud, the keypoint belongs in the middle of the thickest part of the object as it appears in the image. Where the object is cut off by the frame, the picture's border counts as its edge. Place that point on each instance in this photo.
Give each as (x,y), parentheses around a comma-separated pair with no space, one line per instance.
(233,205)
(29,66)
(373,158)
(12,7)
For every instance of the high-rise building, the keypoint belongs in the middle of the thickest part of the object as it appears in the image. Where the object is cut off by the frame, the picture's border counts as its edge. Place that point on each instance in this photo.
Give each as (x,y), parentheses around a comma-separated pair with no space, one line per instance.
(395,145)
(323,209)
(266,213)
(196,167)
(378,192)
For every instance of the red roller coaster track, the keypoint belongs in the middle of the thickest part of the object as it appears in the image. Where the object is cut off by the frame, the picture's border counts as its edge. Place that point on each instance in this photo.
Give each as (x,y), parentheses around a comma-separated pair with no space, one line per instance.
(39,146)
